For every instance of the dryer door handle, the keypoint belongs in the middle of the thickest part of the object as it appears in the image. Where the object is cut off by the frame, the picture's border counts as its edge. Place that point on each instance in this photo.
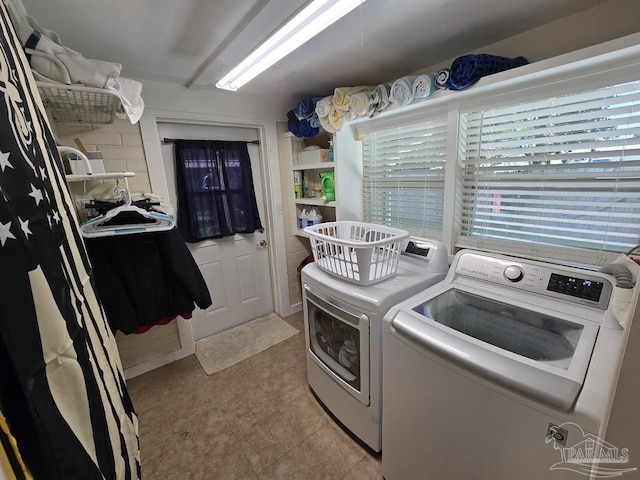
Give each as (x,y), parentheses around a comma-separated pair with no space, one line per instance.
(340,311)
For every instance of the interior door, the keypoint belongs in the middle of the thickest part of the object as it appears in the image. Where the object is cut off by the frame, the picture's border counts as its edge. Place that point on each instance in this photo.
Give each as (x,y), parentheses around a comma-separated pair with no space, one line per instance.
(236,268)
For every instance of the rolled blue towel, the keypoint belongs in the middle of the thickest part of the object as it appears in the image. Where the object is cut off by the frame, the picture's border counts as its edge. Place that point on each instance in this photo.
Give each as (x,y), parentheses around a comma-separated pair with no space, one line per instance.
(442,79)
(468,69)
(306,130)
(300,128)
(306,108)
(314,121)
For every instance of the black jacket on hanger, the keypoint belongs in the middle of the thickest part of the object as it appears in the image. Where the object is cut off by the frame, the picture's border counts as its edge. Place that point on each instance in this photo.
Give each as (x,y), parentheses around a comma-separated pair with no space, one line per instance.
(145,278)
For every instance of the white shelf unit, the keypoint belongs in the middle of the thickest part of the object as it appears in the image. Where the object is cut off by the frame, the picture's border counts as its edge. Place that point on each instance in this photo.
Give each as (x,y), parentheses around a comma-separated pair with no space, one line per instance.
(89,176)
(326,209)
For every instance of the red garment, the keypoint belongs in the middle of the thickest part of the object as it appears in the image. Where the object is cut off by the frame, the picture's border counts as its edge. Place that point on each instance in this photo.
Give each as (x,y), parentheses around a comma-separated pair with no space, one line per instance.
(164,321)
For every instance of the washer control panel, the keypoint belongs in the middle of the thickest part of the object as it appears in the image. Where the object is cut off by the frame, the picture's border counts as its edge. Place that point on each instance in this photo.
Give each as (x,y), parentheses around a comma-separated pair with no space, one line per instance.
(567,283)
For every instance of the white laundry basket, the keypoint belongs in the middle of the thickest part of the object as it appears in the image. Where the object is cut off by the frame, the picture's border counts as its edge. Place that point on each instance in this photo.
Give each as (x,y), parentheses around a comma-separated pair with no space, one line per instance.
(362,253)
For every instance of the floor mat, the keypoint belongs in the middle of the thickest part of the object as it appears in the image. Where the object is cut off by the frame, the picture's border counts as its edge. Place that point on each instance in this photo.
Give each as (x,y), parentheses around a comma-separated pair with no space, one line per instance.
(227,348)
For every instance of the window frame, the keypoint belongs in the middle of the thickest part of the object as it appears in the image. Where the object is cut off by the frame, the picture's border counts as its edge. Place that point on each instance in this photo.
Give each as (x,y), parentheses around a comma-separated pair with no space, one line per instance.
(611,63)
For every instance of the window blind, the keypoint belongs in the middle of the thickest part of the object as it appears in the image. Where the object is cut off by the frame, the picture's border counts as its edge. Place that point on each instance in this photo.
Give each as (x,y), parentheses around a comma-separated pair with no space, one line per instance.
(560,172)
(403,172)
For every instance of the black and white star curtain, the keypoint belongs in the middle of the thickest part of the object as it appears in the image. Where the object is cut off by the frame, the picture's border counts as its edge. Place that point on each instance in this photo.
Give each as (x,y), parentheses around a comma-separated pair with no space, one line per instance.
(62,388)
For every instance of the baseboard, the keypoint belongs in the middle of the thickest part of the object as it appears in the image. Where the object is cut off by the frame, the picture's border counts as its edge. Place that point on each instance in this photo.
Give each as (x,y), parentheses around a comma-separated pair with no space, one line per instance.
(156,362)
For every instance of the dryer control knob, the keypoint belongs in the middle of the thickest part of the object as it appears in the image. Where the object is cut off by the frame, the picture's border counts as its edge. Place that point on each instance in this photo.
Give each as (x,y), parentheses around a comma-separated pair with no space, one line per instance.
(513,273)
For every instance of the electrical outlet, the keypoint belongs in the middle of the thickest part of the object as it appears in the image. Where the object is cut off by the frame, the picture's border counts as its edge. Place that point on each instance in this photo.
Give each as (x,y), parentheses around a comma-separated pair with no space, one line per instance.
(559,434)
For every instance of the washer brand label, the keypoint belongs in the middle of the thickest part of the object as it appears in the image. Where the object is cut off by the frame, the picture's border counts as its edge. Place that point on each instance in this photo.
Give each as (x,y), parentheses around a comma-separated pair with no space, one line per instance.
(591,456)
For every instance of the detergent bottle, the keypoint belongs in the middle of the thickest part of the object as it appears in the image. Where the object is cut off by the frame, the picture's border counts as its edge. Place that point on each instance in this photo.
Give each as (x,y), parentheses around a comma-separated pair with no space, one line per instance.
(303,218)
(314,217)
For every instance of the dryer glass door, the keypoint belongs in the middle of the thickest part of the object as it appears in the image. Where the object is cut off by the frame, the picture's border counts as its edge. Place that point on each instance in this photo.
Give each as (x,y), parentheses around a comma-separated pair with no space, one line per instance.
(339,342)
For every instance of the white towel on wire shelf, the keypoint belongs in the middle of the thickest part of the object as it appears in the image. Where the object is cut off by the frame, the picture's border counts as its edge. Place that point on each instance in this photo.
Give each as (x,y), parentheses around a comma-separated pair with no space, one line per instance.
(129,92)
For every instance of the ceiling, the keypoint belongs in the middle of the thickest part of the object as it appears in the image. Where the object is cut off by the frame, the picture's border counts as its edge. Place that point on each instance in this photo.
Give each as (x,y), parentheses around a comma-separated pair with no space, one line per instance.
(197,41)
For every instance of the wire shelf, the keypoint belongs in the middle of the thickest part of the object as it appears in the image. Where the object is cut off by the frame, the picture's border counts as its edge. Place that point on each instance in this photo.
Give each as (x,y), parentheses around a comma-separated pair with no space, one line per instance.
(78,104)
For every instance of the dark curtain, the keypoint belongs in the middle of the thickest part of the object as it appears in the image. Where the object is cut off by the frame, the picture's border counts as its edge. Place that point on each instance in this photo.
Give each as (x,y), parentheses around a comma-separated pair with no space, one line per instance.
(216,197)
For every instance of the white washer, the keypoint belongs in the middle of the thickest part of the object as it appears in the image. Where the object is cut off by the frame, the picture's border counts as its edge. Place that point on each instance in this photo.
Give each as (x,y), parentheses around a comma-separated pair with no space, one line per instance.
(343,329)
(504,370)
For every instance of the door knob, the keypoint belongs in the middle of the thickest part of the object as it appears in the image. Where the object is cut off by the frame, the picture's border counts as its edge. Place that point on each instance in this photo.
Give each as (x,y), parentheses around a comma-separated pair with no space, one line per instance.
(263,243)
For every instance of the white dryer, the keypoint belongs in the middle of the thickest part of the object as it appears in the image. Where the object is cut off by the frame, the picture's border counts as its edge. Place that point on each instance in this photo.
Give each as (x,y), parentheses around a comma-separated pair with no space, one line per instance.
(505,370)
(343,329)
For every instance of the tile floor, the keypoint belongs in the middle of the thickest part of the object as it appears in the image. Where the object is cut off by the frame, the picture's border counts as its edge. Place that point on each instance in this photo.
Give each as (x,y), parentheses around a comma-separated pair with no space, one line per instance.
(255,420)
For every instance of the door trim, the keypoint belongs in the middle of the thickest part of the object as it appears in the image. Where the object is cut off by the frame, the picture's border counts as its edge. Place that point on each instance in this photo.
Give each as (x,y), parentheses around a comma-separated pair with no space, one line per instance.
(270,180)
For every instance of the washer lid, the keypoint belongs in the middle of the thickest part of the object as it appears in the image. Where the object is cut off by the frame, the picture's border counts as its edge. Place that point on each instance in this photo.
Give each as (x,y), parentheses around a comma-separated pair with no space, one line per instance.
(539,351)
(411,277)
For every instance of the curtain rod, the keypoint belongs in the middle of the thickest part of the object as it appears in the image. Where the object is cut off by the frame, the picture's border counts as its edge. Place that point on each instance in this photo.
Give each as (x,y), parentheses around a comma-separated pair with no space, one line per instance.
(174,140)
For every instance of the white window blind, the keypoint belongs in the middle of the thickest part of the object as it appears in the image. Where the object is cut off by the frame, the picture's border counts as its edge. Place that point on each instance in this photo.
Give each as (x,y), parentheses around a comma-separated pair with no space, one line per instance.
(404,177)
(560,172)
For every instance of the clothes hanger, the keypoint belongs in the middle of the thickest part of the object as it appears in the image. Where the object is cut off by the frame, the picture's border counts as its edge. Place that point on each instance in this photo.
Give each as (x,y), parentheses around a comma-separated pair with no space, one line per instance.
(126,219)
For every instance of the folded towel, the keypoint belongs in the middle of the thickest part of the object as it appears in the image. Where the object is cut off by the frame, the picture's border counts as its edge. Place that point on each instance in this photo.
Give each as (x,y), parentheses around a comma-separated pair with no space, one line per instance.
(342,95)
(306,108)
(423,85)
(402,90)
(323,106)
(468,69)
(442,79)
(300,128)
(92,73)
(379,99)
(359,102)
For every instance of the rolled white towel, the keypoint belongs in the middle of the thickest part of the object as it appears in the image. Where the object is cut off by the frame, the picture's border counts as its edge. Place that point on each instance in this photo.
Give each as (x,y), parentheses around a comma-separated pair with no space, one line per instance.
(323,107)
(359,102)
(423,85)
(402,90)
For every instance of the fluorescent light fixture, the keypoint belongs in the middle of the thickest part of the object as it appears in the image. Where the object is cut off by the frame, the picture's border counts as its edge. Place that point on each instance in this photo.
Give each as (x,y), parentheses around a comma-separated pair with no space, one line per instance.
(313,19)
